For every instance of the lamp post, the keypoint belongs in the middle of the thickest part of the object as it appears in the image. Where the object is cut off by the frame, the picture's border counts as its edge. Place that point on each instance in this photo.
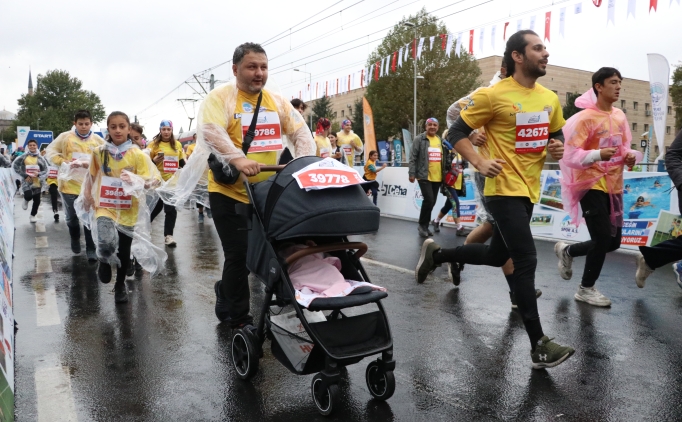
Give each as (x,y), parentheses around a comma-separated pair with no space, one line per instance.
(414,127)
(38,123)
(310,84)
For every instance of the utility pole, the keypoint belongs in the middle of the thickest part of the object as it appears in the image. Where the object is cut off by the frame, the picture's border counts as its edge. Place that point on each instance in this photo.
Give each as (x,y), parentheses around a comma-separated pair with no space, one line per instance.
(414,127)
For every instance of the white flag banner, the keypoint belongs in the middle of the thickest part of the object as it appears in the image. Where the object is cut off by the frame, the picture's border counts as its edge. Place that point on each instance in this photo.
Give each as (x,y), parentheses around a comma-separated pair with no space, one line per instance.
(632,5)
(671,2)
(659,78)
(458,47)
(420,48)
(518,24)
(448,45)
(611,12)
(492,36)
(562,20)
(407,52)
(400,57)
(481,38)
(381,71)
(532,23)
(431,46)
(578,8)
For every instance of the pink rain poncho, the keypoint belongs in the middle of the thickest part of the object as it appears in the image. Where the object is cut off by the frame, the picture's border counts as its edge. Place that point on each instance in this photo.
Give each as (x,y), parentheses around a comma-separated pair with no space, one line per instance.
(581,167)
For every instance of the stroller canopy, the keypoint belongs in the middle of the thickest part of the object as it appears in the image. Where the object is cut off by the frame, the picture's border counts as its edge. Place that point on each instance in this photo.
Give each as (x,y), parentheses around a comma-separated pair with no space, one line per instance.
(289,211)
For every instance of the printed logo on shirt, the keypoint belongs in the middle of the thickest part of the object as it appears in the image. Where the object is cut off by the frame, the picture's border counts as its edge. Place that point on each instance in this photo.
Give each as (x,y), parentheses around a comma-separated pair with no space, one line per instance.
(548,109)
(517,107)
(248,108)
(469,104)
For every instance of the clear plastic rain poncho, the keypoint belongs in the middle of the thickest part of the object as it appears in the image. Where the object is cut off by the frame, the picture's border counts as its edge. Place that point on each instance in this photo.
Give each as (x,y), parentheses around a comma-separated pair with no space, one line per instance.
(71,153)
(118,195)
(30,165)
(216,127)
(581,169)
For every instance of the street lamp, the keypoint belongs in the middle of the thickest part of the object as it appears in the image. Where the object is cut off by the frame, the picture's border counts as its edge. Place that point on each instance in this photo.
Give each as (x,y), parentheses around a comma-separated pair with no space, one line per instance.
(414,129)
(310,87)
(38,123)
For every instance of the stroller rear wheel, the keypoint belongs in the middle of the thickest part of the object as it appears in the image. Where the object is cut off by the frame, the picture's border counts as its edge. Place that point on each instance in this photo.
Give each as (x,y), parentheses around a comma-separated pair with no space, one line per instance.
(381,383)
(325,399)
(244,353)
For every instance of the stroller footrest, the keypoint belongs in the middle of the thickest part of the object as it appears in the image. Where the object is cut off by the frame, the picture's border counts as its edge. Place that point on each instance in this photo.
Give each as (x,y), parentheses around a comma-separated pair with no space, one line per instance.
(333,303)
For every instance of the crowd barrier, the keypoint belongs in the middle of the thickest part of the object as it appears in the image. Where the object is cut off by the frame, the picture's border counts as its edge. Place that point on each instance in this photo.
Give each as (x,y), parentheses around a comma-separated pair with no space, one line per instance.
(7,192)
(650,202)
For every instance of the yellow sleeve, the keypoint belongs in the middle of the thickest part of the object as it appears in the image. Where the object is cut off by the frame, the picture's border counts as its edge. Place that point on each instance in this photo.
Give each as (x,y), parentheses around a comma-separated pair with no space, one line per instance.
(289,117)
(141,167)
(556,120)
(181,155)
(54,152)
(94,162)
(213,110)
(478,110)
(357,142)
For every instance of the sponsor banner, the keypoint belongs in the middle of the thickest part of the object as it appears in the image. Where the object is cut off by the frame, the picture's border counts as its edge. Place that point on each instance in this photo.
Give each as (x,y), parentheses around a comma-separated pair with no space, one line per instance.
(7,192)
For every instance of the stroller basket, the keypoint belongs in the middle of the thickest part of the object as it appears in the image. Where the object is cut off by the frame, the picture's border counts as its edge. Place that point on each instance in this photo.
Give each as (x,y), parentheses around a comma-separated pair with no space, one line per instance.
(350,336)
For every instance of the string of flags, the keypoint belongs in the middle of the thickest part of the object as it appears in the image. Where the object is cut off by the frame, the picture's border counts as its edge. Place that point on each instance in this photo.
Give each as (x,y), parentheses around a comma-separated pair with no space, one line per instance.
(445,42)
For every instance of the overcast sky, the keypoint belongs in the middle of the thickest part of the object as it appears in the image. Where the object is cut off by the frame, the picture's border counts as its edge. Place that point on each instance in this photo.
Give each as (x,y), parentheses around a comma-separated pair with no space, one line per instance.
(133,53)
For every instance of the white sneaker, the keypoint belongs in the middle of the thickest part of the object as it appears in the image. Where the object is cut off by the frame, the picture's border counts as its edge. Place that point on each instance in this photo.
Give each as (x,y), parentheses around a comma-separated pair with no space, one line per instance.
(592,296)
(170,241)
(32,219)
(24,206)
(565,260)
(643,271)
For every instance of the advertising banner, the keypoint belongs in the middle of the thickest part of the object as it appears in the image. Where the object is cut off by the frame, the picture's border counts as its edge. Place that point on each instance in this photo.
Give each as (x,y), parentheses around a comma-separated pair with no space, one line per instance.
(7,191)
(384,152)
(368,122)
(659,80)
(407,137)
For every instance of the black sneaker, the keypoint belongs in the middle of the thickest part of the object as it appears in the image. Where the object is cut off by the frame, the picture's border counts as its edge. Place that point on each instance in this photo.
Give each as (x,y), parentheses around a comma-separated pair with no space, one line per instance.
(423,232)
(56,217)
(512,296)
(91,254)
(104,272)
(436,226)
(425,266)
(221,310)
(121,293)
(454,270)
(131,268)
(138,267)
(76,245)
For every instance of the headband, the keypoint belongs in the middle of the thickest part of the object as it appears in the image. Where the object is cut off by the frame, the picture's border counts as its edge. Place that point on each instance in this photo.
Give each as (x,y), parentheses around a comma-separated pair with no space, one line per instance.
(166,123)
(432,120)
(346,122)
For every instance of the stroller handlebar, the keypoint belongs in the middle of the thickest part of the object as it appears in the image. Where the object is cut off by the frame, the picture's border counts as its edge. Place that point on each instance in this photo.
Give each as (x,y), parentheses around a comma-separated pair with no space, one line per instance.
(361,249)
(263,167)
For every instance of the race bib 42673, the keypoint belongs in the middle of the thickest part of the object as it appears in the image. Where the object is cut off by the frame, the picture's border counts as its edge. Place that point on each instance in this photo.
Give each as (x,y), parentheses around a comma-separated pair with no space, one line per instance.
(532,132)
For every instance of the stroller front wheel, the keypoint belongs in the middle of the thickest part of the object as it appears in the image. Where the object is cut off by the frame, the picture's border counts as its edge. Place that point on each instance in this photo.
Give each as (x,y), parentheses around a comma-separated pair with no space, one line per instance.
(244,354)
(325,399)
(381,383)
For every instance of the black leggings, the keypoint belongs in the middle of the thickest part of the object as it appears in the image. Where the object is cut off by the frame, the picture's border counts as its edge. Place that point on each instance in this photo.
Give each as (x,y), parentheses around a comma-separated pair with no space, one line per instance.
(448,203)
(665,252)
(33,194)
(513,239)
(171,216)
(54,194)
(597,211)
(429,193)
(108,239)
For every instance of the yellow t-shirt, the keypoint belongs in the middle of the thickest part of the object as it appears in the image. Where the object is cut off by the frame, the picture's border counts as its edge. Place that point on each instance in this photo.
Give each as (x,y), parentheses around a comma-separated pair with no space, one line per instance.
(190,149)
(134,161)
(348,143)
(324,147)
(497,109)
(483,149)
(369,174)
(171,158)
(69,147)
(33,161)
(214,112)
(435,159)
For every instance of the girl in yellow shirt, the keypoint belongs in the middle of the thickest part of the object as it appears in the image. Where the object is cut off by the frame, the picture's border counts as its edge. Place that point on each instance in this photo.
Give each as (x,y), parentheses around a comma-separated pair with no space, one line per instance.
(32,168)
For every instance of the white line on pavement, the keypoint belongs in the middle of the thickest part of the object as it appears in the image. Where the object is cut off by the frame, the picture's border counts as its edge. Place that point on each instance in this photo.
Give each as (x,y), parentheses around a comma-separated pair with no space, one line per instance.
(385,265)
(40,227)
(43,264)
(47,312)
(41,242)
(55,398)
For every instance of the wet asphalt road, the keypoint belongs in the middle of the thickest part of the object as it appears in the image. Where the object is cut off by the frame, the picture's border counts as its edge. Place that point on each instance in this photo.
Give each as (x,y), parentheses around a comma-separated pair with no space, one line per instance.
(461,354)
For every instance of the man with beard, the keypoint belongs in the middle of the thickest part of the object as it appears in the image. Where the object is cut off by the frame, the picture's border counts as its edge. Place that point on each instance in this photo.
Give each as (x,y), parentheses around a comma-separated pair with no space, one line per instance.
(522,121)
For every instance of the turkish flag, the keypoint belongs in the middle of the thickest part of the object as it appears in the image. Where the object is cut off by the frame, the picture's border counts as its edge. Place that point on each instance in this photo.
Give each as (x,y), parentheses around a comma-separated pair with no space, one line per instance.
(596,2)
(504,35)
(548,20)
(395,58)
(376,72)
(654,4)
(444,39)
(471,41)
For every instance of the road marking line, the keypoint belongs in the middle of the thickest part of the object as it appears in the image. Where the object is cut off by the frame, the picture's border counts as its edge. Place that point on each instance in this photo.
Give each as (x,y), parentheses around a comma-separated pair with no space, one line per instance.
(43,264)
(40,227)
(385,265)
(55,397)
(41,242)
(47,312)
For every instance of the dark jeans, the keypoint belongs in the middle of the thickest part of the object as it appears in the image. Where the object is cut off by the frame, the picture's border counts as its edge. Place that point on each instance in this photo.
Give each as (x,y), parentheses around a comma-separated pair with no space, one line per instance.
(73,223)
(513,239)
(171,216)
(33,194)
(374,188)
(596,210)
(429,193)
(54,193)
(448,204)
(665,252)
(108,239)
(234,286)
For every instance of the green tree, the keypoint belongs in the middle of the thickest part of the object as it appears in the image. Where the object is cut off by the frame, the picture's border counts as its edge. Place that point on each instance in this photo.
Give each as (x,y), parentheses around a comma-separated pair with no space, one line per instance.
(358,125)
(8,135)
(676,96)
(322,108)
(445,78)
(570,109)
(56,99)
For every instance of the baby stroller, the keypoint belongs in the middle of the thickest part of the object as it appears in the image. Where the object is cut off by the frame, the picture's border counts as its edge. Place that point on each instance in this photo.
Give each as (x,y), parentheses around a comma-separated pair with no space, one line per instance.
(281,212)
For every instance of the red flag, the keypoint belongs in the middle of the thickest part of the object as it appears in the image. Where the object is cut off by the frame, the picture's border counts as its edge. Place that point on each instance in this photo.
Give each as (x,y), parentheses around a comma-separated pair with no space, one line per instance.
(596,2)
(654,4)
(349,82)
(444,39)
(376,72)
(471,41)
(504,36)
(395,58)
(326,88)
(299,94)
(337,87)
(548,19)
(362,78)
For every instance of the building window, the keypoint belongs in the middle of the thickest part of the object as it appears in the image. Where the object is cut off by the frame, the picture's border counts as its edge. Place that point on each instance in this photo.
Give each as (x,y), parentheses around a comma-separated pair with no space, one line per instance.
(634,127)
(646,128)
(622,103)
(670,110)
(667,130)
(634,105)
(342,113)
(646,106)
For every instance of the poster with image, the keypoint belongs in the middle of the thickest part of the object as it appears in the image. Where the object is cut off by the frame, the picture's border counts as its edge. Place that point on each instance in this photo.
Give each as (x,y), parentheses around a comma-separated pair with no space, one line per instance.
(669,226)
(550,192)
(644,197)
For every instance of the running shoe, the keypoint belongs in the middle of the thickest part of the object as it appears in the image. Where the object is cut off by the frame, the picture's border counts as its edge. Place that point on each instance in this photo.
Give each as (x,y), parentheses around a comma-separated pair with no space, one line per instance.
(32,219)
(512,297)
(221,310)
(565,260)
(131,268)
(425,266)
(209,214)
(138,267)
(436,226)
(75,245)
(592,296)
(170,241)
(104,272)
(677,268)
(460,231)
(643,271)
(201,218)
(549,354)
(423,232)
(56,217)
(455,271)
(91,254)
(120,292)
(24,206)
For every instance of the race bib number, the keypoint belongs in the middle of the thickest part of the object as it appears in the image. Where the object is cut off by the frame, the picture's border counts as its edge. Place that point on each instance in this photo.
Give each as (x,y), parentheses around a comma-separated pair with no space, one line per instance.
(324,152)
(81,156)
(347,149)
(268,131)
(326,174)
(33,170)
(532,132)
(53,172)
(112,195)
(615,141)
(434,155)
(170,164)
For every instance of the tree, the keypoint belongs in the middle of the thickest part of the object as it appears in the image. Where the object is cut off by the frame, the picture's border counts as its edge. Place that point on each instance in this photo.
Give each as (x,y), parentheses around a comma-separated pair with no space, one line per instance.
(570,109)
(56,99)
(446,79)
(357,119)
(8,135)
(676,96)
(322,108)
